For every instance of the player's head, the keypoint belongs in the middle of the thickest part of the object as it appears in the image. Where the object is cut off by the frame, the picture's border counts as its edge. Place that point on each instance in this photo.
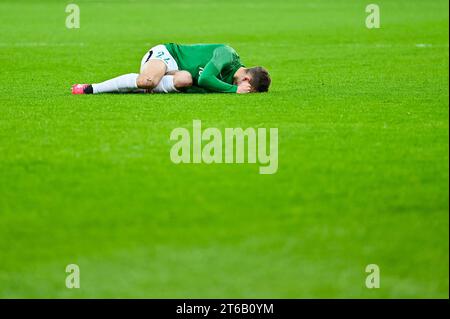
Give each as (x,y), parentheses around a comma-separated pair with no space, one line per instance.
(258,77)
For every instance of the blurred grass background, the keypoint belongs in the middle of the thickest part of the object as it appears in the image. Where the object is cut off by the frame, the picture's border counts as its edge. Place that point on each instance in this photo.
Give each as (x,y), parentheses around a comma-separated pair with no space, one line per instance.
(363,154)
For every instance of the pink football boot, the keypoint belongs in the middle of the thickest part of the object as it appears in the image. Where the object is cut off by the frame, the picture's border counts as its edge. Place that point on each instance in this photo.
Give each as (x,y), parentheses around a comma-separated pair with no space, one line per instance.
(79,88)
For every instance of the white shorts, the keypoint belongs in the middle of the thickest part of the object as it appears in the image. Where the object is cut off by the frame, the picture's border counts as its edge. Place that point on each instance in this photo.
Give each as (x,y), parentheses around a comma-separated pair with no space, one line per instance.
(160,52)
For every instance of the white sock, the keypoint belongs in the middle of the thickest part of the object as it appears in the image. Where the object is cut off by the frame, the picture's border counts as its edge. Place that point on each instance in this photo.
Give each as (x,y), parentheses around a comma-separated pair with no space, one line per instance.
(165,85)
(121,84)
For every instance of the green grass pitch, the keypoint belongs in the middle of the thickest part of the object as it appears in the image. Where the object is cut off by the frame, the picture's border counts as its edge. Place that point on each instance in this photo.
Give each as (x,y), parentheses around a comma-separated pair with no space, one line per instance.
(363,153)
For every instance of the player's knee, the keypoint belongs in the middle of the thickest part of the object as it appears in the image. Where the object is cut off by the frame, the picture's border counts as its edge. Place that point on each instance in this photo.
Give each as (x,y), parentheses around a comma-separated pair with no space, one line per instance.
(146,82)
(182,79)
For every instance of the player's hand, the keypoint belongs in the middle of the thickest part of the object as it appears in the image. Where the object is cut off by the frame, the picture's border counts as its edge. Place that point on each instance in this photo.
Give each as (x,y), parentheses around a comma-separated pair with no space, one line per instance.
(244,87)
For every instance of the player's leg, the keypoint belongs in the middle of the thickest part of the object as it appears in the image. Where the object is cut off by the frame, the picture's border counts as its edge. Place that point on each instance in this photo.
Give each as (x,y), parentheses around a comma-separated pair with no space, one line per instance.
(151,74)
(167,82)
(173,82)
(182,79)
(154,65)
(121,84)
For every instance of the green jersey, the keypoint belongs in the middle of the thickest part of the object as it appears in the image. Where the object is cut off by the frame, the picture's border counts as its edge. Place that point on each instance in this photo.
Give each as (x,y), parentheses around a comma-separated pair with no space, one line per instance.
(212,66)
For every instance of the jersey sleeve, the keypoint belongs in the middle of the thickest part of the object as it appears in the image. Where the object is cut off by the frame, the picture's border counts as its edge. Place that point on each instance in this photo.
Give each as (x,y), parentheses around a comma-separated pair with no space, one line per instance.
(222,57)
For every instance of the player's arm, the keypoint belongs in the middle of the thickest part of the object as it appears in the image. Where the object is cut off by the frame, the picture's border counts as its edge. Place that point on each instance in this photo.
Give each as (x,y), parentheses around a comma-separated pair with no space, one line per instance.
(209,77)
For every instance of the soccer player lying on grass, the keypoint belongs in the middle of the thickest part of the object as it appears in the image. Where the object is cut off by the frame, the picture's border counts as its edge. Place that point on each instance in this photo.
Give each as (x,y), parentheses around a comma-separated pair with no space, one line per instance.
(200,68)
